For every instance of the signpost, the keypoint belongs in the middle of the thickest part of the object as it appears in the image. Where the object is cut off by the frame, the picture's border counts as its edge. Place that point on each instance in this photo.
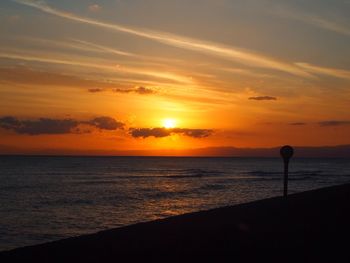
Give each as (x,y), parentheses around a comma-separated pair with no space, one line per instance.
(286,153)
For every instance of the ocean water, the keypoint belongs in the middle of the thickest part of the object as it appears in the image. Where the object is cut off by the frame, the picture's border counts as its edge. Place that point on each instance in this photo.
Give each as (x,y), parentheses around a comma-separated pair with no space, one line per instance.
(48,198)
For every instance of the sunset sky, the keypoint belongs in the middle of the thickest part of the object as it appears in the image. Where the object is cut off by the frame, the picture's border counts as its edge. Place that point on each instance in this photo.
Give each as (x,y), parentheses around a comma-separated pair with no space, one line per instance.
(113,76)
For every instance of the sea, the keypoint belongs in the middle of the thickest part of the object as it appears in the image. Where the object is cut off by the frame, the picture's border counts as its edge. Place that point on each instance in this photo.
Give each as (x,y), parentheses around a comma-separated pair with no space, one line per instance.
(49,198)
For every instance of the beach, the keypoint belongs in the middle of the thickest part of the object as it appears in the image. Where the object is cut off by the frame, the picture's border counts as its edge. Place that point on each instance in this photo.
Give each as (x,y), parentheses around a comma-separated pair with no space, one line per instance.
(312,226)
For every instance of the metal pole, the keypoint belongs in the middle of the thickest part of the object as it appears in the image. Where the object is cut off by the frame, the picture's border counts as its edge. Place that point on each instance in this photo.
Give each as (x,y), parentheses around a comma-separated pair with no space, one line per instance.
(286,153)
(285,188)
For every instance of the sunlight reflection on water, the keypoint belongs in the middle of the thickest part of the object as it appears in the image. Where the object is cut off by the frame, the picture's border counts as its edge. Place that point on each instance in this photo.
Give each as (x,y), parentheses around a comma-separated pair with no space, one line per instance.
(49,198)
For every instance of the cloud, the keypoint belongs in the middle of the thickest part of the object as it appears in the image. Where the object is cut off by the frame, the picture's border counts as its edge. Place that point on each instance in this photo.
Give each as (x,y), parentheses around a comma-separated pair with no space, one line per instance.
(195,133)
(328,25)
(9,122)
(28,76)
(298,123)
(227,52)
(260,98)
(40,126)
(333,123)
(164,132)
(314,20)
(118,90)
(103,48)
(144,91)
(94,8)
(112,68)
(139,90)
(106,123)
(56,126)
(95,90)
(339,73)
(150,132)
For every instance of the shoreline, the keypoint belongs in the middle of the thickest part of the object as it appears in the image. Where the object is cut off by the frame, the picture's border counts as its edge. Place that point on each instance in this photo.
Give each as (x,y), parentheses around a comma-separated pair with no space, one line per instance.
(309,226)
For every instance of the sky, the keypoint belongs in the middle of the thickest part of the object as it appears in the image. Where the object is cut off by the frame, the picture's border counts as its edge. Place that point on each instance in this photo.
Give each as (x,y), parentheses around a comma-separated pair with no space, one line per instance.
(115,76)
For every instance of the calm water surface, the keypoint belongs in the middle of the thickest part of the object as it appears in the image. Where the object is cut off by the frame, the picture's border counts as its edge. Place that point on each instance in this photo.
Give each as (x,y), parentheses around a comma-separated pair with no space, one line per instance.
(49,198)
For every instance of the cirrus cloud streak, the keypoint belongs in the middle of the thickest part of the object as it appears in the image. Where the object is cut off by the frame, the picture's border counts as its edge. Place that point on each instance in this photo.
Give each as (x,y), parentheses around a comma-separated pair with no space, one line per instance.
(228,52)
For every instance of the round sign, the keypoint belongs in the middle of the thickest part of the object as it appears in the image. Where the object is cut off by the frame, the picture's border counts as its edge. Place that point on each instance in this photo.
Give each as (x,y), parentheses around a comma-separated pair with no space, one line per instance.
(287,152)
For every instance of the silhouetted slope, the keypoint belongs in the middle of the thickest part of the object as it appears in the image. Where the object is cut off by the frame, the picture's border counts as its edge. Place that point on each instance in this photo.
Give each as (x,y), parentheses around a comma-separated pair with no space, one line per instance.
(312,226)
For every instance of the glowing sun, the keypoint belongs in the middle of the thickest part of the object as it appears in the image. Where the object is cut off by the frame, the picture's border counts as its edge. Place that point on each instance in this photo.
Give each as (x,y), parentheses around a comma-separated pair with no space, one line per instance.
(169,123)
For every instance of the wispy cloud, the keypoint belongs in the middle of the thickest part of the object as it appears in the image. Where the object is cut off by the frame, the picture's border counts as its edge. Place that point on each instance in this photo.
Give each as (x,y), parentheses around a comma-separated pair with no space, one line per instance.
(329,25)
(332,123)
(25,75)
(261,98)
(315,20)
(106,66)
(298,124)
(76,44)
(103,48)
(29,76)
(94,8)
(339,73)
(231,53)
(246,72)
(90,47)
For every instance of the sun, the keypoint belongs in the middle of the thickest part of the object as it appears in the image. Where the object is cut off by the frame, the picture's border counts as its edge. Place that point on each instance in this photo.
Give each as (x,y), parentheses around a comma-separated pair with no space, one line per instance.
(169,123)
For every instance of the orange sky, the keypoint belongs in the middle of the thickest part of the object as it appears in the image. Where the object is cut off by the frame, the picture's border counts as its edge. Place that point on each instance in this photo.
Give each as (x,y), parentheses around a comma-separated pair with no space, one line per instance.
(103,77)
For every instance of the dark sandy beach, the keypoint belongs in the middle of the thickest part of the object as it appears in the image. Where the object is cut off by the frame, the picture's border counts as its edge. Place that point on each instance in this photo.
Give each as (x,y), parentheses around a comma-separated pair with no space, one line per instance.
(312,226)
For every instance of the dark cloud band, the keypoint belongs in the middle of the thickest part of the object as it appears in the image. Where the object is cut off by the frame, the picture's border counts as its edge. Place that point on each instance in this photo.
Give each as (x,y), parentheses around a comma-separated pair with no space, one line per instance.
(139,90)
(95,90)
(333,123)
(56,126)
(298,124)
(106,123)
(260,98)
(164,132)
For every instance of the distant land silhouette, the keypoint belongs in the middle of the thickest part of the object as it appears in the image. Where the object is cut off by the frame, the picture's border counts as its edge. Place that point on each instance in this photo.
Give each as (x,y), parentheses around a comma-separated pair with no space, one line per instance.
(340,151)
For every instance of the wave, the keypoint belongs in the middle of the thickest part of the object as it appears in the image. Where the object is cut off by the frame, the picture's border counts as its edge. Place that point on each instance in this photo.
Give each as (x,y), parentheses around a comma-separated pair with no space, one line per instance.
(179,174)
(214,186)
(173,174)
(291,173)
(66,202)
